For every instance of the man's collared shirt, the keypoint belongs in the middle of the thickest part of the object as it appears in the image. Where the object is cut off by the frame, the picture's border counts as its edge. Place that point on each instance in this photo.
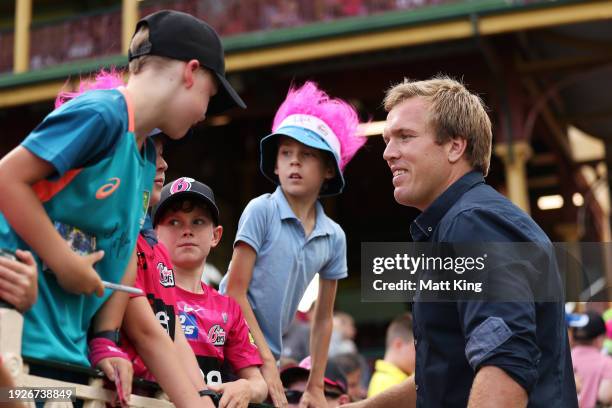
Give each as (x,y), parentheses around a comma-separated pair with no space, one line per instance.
(453,340)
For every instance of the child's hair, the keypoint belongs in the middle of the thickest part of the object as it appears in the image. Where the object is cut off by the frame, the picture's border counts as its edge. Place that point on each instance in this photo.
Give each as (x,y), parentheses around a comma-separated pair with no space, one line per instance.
(337,114)
(400,327)
(140,37)
(103,80)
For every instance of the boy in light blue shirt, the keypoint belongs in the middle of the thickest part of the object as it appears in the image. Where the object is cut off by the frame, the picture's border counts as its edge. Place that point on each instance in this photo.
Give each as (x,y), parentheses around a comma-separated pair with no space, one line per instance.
(285,238)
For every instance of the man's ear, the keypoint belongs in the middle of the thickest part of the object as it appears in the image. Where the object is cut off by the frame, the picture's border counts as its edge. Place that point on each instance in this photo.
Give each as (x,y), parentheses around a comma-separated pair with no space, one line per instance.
(217,233)
(189,72)
(456,148)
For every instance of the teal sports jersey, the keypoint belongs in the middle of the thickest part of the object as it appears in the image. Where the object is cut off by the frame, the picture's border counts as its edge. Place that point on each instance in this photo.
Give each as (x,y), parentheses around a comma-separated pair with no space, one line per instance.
(97,200)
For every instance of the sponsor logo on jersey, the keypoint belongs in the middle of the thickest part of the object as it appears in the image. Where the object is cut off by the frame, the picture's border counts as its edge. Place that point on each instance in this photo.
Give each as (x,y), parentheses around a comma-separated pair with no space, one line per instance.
(108,189)
(216,335)
(190,325)
(166,276)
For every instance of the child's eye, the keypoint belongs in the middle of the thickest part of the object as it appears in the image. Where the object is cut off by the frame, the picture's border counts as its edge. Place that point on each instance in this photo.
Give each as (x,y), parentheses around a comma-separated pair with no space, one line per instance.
(199,221)
(173,223)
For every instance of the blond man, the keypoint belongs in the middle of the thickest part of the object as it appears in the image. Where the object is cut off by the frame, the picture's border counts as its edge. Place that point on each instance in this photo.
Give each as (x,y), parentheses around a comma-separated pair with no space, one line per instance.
(478,354)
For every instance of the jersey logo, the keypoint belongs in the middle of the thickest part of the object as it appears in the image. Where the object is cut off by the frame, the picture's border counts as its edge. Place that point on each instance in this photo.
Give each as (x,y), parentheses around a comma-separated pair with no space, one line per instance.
(164,320)
(166,276)
(216,335)
(109,188)
(190,325)
(182,184)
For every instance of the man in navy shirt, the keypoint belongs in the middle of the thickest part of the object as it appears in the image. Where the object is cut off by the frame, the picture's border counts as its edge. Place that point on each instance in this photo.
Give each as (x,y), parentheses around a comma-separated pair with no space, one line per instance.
(476,353)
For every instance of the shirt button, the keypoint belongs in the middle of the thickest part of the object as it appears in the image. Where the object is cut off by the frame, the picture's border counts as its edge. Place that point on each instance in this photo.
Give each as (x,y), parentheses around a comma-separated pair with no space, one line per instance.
(416,342)
(429,229)
(416,387)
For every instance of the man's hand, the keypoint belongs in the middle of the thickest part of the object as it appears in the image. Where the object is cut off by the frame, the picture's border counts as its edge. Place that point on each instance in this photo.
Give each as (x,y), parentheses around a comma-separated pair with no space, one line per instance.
(113,366)
(313,397)
(275,386)
(79,275)
(235,394)
(19,280)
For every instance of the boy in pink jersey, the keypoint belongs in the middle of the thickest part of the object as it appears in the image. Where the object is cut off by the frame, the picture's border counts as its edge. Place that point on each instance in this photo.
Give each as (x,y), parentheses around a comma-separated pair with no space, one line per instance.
(186,220)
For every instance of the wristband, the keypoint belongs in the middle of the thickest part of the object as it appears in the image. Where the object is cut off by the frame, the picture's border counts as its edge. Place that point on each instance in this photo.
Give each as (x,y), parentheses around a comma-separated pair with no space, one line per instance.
(112,335)
(100,348)
(213,395)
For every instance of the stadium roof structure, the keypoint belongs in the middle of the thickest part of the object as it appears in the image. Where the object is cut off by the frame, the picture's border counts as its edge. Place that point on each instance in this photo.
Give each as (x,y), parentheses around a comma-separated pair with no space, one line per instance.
(375,33)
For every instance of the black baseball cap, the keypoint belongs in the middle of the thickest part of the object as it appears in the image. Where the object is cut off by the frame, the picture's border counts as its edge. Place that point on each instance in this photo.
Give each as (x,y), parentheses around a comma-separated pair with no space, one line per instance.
(185,187)
(181,36)
(588,326)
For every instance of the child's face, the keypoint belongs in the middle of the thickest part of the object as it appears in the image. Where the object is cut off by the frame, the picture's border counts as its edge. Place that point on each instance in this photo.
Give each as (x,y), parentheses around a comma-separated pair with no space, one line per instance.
(190,102)
(160,173)
(301,169)
(189,236)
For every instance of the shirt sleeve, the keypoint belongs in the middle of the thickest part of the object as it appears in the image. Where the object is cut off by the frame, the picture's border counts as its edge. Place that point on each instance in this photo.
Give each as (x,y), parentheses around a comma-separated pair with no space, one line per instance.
(501,334)
(241,351)
(336,268)
(252,226)
(80,132)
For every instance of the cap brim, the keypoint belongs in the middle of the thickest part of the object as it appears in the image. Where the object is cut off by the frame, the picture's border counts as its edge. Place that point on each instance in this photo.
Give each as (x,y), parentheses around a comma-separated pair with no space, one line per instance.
(269,147)
(159,209)
(226,97)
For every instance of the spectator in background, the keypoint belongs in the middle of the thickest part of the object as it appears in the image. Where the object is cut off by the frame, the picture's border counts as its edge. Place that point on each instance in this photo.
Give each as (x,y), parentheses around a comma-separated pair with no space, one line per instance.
(352,365)
(295,379)
(343,334)
(591,367)
(398,363)
(296,342)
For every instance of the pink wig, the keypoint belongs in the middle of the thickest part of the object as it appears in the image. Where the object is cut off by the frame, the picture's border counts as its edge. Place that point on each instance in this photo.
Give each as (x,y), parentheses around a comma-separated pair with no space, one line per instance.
(336,113)
(103,80)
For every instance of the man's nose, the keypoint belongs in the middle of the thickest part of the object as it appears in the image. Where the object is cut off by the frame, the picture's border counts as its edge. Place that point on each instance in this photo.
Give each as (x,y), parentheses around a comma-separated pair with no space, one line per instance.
(390,152)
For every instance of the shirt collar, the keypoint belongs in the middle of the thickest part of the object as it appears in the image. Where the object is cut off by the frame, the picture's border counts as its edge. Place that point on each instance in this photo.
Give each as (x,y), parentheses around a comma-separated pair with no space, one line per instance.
(322,225)
(424,225)
(148,232)
(386,367)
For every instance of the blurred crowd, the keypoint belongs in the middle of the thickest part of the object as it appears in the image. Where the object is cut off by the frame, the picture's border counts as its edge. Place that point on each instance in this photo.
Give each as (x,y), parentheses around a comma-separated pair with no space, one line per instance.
(85,36)
(349,376)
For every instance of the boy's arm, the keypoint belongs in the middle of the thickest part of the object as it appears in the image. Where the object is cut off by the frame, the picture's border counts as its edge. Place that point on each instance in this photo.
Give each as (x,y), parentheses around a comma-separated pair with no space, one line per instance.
(321,330)
(240,274)
(109,318)
(158,352)
(188,357)
(251,387)
(19,170)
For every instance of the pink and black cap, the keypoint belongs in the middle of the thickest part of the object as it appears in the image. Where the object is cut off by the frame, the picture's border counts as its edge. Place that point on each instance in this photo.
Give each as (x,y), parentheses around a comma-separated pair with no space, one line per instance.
(181,36)
(334,377)
(185,188)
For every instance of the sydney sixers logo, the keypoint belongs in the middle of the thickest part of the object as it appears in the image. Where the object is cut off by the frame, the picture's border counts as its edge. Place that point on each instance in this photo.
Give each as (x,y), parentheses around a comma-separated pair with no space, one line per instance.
(182,184)
(166,276)
(216,335)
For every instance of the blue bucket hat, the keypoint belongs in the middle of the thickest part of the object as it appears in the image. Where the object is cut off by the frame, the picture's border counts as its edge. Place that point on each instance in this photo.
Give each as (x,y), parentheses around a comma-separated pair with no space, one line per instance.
(312,132)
